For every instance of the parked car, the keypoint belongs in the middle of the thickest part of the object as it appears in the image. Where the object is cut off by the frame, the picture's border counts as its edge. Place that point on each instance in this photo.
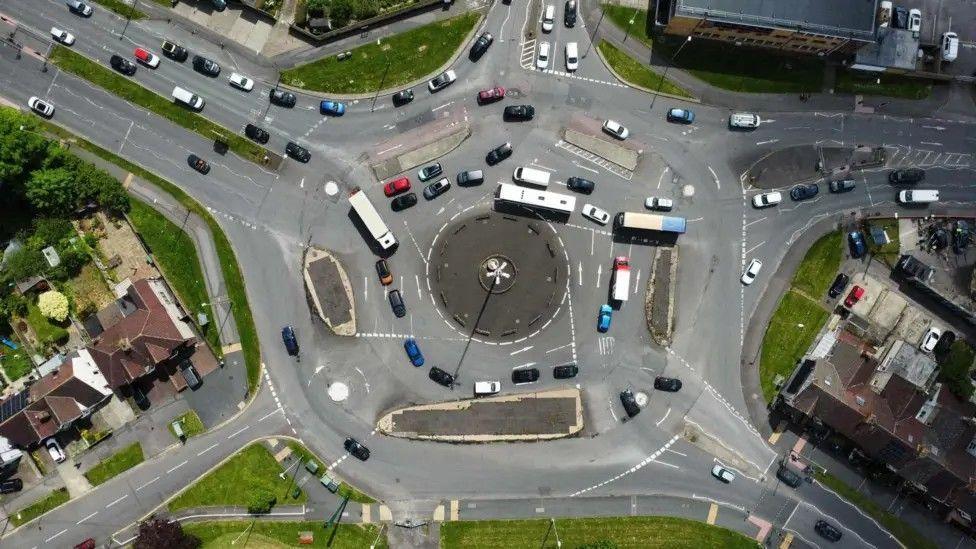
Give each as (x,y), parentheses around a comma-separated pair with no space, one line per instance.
(683,116)
(437,188)
(205,66)
(749,276)
(198,164)
(140,398)
(413,352)
(906,176)
(603,320)
(930,339)
(542,61)
(383,272)
(87,544)
(62,36)
(430,171)
(630,403)
(481,45)
(297,152)
(291,342)
(569,13)
(491,95)
(403,202)
(572,56)
(241,82)
(402,97)
(441,81)
(396,186)
(498,154)
(842,186)
(122,65)
(333,108)
(359,451)
(282,98)
(396,303)
(566,371)
(765,200)
(174,51)
(839,285)
(855,295)
(789,477)
(469,178)
(486,388)
(190,375)
(744,121)
(257,134)
(827,530)
(441,377)
(616,129)
(78,7)
(12,485)
(669,384)
(41,107)
(723,474)
(803,192)
(856,241)
(525,375)
(519,113)
(915,20)
(596,214)
(659,204)
(54,450)
(219,5)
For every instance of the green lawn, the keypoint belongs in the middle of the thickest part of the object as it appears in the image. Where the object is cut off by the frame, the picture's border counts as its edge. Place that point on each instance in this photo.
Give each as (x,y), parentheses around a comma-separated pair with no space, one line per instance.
(125,459)
(409,56)
(274,534)
(46,330)
(192,426)
(621,16)
(633,72)
(31,512)
(344,488)
(819,267)
(123,9)
(176,255)
(888,253)
(252,469)
(16,364)
(898,527)
(891,85)
(790,332)
(614,532)
(163,106)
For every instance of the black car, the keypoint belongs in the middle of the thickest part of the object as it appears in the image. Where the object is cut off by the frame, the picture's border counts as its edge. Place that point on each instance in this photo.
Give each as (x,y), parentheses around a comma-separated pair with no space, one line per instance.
(789,477)
(190,375)
(356,449)
(441,377)
(525,375)
(907,176)
(205,66)
(827,530)
(519,112)
(569,13)
(481,45)
(498,154)
(803,192)
(11,485)
(297,152)
(437,188)
(842,186)
(565,371)
(580,185)
(470,178)
(122,65)
(669,384)
(256,133)
(396,303)
(174,51)
(282,98)
(403,202)
(140,398)
(291,342)
(899,19)
(839,285)
(402,97)
(629,402)
(198,164)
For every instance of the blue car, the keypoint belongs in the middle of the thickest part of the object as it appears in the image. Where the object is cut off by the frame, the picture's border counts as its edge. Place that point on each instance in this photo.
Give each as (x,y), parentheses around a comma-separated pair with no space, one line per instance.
(413,352)
(856,241)
(335,108)
(603,324)
(683,116)
(291,342)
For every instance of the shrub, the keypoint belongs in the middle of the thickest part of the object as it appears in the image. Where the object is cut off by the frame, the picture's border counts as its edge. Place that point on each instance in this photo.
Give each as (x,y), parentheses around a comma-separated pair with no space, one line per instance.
(54,305)
(261,502)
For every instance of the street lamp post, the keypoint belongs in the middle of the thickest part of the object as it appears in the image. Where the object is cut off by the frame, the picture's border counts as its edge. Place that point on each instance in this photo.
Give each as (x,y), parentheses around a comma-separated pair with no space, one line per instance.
(128,18)
(668,66)
(593,35)
(552,528)
(631,23)
(379,88)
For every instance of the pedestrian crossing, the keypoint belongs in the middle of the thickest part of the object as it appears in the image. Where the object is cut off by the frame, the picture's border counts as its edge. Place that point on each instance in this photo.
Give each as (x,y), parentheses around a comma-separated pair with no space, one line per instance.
(615,169)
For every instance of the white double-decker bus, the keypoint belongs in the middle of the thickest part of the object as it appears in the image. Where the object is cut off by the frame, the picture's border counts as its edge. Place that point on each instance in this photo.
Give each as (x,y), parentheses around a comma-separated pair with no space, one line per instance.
(372,220)
(535,199)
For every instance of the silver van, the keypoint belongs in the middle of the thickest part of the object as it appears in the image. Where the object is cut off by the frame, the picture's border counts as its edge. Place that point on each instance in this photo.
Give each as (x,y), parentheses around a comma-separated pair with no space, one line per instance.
(188,98)
(918,196)
(531,176)
(744,120)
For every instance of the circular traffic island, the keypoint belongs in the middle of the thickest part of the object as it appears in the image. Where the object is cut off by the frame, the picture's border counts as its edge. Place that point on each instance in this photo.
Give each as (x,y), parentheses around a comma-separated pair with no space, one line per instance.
(498,277)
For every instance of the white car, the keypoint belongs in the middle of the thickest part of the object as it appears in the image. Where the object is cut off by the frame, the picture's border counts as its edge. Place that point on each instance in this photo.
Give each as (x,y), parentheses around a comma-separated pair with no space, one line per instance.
(752,271)
(915,20)
(41,107)
(485,388)
(766,200)
(54,449)
(542,62)
(595,214)
(616,129)
(659,204)
(723,474)
(62,36)
(931,338)
(441,81)
(241,82)
(572,56)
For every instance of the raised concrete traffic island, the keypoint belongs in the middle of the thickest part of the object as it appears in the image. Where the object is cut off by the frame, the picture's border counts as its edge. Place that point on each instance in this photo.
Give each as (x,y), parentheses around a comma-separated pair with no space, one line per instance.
(543,415)
(329,291)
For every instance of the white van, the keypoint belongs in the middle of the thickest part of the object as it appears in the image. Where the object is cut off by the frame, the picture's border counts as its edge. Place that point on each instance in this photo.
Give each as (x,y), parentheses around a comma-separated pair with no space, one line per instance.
(744,120)
(548,17)
(918,196)
(950,46)
(572,56)
(485,388)
(188,98)
(531,176)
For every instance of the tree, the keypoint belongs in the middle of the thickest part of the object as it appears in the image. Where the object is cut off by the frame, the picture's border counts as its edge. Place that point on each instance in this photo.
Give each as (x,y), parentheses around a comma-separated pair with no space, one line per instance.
(21,264)
(53,304)
(157,533)
(341,12)
(317,5)
(260,502)
(21,151)
(52,191)
(49,231)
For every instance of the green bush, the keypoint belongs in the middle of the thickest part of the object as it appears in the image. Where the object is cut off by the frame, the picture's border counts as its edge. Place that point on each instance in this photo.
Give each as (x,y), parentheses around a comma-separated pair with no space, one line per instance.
(261,502)
(955,370)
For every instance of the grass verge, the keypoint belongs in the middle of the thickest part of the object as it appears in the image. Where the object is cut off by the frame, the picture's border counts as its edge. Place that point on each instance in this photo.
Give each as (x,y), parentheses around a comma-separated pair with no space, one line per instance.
(889,252)
(639,30)
(176,255)
(125,459)
(129,90)
(192,426)
(395,61)
(819,267)
(898,527)
(251,470)
(790,332)
(123,9)
(233,279)
(887,85)
(31,512)
(345,489)
(634,73)
(617,532)
(273,534)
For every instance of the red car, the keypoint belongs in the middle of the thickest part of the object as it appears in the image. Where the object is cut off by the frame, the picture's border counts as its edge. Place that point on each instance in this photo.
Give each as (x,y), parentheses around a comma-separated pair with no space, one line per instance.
(87,544)
(488,96)
(147,58)
(396,186)
(854,296)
